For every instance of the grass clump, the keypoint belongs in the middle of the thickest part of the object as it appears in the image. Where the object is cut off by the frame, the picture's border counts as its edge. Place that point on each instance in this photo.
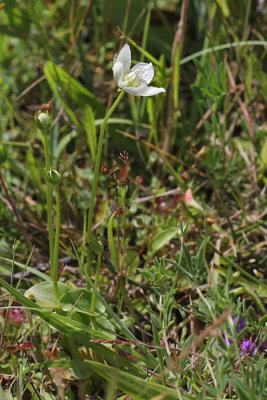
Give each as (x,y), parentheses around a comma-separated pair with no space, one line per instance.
(132,236)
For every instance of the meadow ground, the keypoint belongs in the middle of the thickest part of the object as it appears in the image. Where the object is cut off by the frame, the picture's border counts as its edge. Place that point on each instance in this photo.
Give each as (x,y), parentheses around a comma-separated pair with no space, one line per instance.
(133,219)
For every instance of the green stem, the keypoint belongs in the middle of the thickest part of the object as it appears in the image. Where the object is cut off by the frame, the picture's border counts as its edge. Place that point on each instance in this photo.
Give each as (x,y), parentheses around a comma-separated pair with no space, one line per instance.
(55,262)
(180,261)
(95,179)
(49,204)
(98,267)
(83,243)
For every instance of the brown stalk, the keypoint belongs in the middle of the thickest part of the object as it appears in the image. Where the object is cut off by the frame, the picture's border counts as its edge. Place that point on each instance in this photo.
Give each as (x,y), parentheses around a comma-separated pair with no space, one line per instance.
(83,18)
(209,331)
(178,41)
(247,117)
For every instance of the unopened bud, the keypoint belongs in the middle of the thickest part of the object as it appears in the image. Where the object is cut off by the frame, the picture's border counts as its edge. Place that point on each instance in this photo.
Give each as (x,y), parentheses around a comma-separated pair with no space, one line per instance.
(190,201)
(96,245)
(43,121)
(53,176)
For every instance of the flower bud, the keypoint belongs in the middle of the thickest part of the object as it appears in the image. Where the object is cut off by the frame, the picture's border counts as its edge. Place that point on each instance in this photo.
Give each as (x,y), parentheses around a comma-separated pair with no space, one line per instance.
(43,121)
(52,176)
(191,202)
(96,245)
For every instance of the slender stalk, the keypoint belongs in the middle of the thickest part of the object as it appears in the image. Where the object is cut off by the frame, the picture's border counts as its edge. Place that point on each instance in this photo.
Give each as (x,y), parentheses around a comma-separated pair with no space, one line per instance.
(55,259)
(175,280)
(98,267)
(84,242)
(49,205)
(95,179)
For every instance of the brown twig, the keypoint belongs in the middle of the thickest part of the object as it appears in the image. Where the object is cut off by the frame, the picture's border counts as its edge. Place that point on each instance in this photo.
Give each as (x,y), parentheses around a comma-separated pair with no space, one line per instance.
(247,117)
(83,17)
(31,86)
(152,146)
(178,41)
(207,332)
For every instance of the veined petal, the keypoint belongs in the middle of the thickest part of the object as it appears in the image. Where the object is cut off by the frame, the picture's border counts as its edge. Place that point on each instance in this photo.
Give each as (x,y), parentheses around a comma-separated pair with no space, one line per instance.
(124,57)
(144,72)
(143,90)
(117,71)
(151,91)
(135,90)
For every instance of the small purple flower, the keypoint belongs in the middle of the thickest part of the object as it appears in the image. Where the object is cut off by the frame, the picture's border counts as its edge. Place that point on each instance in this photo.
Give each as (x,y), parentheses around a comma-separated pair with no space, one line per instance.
(247,347)
(242,324)
(228,341)
(263,345)
(248,344)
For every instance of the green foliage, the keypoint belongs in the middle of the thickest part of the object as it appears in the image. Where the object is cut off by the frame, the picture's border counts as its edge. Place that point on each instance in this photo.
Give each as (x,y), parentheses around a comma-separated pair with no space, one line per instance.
(156,312)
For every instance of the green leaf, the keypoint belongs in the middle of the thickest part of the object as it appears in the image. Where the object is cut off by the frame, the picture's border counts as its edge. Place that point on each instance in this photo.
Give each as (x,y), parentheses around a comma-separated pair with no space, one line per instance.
(34,173)
(44,295)
(96,246)
(263,320)
(140,389)
(201,256)
(223,77)
(64,142)
(242,390)
(150,360)
(53,78)
(157,342)
(72,89)
(219,102)
(89,126)
(34,271)
(132,261)
(81,298)
(180,268)
(160,240)
(187,257)
(264,153)
(111,242)
(2,394)
(73,329)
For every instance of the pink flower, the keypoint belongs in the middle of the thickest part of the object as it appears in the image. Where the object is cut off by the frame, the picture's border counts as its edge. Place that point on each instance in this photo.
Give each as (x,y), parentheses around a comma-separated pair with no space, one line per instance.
(190,201)
(16,314)
(188,196)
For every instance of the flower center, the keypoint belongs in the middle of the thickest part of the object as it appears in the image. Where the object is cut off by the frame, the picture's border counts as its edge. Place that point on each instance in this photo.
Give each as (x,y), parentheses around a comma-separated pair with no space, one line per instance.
(131,80)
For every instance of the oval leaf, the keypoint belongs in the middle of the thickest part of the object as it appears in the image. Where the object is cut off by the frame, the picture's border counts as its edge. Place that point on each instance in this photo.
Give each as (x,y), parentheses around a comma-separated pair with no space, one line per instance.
(161,239)
(44,295)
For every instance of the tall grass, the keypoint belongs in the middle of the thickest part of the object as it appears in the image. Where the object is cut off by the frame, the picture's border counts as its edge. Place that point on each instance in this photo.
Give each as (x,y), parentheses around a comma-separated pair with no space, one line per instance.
(147,279)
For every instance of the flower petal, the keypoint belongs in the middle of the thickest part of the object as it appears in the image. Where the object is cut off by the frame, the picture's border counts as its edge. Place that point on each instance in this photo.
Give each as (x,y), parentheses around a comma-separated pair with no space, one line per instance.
(151,91)
(118,71)
(124,57)
(144,71)
(135,90)
(143,90)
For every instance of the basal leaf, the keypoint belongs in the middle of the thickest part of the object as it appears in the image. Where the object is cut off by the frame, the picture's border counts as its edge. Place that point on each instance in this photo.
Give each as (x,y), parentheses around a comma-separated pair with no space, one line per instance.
(44,295)
(72,89)
(161,239)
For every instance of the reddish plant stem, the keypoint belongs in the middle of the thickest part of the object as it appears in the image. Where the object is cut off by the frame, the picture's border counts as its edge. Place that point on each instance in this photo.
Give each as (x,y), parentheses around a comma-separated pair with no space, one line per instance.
(3,332)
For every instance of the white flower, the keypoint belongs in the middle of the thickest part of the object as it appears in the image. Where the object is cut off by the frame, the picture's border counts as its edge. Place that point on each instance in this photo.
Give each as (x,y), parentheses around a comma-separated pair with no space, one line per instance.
(134,81)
